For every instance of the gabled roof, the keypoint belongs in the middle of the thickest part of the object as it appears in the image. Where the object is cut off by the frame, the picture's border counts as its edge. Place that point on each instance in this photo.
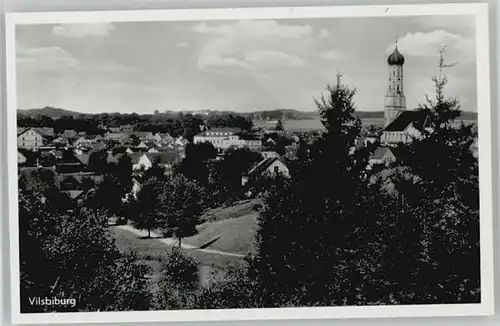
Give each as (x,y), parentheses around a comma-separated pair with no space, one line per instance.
(163,157)
(84,158)
(69,133)
(419,118)
(142,134)
(114,158)
(46,132)
(135,157)
(263,165)
(380,152)
(117,135)
(74,194)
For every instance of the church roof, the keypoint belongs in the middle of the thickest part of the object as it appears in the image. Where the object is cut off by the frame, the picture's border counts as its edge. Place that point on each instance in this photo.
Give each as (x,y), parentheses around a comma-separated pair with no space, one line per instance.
(396,58)
(418,117)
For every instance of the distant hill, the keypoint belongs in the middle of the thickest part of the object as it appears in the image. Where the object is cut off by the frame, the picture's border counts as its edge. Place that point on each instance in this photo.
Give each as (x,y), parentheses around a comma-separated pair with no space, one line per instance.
(287,114)
(49,112)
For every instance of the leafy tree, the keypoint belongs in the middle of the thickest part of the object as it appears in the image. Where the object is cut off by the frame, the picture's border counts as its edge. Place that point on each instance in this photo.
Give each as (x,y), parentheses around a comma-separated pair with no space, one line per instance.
(226,177)
(444,200)
(307,240)
(279,126)
(195,164)
(147,205)
(98,162)
(180,206)
(233,289)
(73,256)
(179,282)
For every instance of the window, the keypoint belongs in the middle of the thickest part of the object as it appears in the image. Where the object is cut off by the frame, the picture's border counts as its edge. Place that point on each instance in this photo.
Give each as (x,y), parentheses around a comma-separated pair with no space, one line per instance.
(276,169)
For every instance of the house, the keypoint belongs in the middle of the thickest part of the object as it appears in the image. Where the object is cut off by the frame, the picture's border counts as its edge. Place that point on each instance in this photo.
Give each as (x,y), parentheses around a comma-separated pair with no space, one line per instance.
(382,155)
(143,135)
(31,138)
(21,159)
(69,163)
(117,136)
(407,126)
(166,159)
(87,141)
(271,166)
(142,146)
(166,138)
(181,141)
(140,161)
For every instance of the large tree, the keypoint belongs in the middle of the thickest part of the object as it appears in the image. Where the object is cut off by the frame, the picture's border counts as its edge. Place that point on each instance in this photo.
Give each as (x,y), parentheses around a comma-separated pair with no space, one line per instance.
(147,215)
(226,173)
(71,255)
(180,206)
(195,165)
(307,237)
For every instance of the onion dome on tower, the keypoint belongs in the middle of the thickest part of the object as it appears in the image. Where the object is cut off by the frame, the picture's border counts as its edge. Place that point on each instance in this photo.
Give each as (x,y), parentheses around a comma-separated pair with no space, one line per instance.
(396,58)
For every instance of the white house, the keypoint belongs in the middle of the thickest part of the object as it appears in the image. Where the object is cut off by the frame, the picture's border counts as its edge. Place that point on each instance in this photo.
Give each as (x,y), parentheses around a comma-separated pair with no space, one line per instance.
(223,138)
(382,155)
(140,160)
(87,141)
(272,166)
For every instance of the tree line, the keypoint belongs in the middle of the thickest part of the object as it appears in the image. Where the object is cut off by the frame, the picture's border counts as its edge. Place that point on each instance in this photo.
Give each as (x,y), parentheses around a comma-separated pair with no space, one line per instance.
(180,124)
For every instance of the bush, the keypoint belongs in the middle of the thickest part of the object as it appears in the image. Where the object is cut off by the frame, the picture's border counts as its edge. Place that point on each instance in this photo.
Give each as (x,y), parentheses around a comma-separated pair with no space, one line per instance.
(179,282)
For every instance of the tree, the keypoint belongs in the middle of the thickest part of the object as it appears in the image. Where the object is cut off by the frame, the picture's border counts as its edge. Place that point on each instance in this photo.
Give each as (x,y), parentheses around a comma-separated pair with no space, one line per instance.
(444,199)
(195,164)
(147,205)
(307,238)
(279,126)
(98,162)
(180,206)
(179,282)
(72,256)
(227,173)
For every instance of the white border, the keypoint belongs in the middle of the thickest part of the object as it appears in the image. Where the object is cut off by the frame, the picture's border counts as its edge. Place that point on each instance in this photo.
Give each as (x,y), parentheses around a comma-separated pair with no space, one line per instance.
(479,10)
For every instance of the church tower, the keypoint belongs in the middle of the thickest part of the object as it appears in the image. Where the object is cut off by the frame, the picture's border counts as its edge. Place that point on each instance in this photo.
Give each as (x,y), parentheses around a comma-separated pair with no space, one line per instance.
(395,100)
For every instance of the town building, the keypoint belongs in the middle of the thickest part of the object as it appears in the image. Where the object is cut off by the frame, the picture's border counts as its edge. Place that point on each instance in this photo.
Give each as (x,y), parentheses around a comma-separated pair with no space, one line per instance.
(223,138)
(383,155)
(87,141)
(270,166)
(33,138)
(407,126)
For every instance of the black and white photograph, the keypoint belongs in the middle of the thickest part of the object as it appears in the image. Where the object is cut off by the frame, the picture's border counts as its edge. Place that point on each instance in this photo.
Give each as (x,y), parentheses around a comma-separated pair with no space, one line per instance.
(212,164)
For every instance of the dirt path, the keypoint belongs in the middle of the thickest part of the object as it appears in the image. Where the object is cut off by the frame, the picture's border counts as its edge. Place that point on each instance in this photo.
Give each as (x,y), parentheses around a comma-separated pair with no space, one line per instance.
(174,242)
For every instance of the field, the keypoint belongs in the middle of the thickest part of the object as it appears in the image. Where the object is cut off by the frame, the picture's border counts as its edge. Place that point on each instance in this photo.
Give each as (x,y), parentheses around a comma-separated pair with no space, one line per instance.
(223,239)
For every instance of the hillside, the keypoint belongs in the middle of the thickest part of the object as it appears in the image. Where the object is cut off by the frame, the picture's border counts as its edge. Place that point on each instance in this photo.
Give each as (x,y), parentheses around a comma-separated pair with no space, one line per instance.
(48,111)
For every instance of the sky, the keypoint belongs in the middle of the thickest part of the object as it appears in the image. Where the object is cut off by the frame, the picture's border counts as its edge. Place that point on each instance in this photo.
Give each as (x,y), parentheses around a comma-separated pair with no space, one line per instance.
(242,66)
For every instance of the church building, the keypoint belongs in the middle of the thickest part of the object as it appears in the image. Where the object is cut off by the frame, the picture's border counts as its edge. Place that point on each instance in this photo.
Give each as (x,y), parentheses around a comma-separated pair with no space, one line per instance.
(400,125)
